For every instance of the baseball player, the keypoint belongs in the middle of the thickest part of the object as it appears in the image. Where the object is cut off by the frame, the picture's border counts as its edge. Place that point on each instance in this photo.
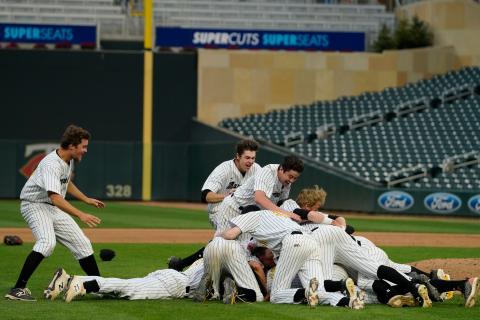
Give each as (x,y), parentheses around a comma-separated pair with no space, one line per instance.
(269,186)
(395,296)
(222,182)
(160,284)
(339,247)
(296,253)
(48,214)
(223,256)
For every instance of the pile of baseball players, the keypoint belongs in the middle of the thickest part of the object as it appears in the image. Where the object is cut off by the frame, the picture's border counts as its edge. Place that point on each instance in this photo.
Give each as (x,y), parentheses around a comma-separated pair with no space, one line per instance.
(267,247)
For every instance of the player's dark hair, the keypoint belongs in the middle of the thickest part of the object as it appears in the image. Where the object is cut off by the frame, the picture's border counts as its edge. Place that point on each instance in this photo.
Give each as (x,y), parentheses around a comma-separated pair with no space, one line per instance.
(246,144)
(73,135)
(292,163)
(259,251)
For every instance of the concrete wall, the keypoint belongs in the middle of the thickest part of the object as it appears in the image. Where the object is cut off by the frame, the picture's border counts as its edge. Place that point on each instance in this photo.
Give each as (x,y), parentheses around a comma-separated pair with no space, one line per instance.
(454,22)
(235,83)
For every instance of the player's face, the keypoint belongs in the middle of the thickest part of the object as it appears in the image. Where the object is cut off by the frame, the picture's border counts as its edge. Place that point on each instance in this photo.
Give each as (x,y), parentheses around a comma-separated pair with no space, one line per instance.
(79,150)
(246,160)
(287,177)
(267,259)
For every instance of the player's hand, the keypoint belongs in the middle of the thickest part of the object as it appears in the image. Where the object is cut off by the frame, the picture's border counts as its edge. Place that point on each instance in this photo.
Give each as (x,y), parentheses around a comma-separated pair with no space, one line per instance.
(96,203)
(295,217)
(337,224)
(90,220)
(230,191)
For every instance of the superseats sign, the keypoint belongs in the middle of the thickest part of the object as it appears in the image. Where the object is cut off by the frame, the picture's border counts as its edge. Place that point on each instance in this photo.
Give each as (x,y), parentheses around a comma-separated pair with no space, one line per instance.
(259,39)
(43,33)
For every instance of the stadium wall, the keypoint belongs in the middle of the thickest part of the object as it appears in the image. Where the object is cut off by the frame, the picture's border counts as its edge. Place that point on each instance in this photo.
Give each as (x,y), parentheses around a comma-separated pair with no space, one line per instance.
(236,83)
(454,23)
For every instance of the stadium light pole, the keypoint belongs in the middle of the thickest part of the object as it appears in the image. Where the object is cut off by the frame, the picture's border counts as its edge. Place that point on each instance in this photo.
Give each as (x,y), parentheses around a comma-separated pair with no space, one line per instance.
(147,100)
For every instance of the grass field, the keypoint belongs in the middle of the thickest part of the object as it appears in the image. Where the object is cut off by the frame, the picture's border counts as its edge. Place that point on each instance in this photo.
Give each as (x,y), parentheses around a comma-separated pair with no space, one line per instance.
(126,215)
(135,260)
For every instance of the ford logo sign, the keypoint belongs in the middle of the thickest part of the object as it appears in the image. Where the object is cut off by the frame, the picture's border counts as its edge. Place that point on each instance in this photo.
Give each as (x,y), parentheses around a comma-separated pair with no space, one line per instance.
(442,202)
(395,201)
(474,204)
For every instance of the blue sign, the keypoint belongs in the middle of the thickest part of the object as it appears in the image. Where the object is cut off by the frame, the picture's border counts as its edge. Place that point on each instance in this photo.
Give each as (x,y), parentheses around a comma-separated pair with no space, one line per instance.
(474,204)
(44,33)
(259,39)
(395,201)
(442,202)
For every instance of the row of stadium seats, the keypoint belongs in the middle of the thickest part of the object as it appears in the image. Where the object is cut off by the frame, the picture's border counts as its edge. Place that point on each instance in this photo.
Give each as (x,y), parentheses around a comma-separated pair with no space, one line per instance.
(427,136)
(114,21)
(287,15)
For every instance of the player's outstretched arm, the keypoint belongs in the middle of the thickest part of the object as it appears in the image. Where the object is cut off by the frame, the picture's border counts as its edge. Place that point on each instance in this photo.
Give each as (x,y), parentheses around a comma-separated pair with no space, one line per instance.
(231,234)
(74,191)
(263,201)
(64,205)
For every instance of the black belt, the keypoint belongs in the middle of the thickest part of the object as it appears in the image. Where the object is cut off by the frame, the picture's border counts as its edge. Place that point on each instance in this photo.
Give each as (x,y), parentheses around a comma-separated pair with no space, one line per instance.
(314,229)
(187,289)
(296,232)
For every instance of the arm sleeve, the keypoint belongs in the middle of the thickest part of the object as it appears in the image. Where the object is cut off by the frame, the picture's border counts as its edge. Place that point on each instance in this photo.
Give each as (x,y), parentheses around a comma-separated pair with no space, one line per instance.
(204,195)
(216,179)
(264,181)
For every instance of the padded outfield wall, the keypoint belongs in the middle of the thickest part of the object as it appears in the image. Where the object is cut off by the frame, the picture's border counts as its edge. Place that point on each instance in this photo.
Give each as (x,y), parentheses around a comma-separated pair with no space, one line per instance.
(43,91)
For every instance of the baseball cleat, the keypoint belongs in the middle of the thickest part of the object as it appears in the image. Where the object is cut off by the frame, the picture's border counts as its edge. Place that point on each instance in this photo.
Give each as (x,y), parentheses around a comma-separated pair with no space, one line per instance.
(311,293)
(230,293)
(423,279)
(399,301)
(350,290)
(204,290)
(175,263)
(472,288)
(75,289)
(425,301)
(21,294)
(57,285)
(449,294)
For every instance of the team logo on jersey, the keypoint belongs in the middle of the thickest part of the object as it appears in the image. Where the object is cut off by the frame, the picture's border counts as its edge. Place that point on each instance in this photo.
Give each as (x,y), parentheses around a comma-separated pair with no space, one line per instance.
(276,194)
(395,201)
(442,202)
(40,150)
(232,185)
(474,204)
(64,180)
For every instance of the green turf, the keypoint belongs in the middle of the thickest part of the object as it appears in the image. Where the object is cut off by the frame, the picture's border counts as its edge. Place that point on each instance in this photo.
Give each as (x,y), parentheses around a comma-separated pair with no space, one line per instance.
(135,260)
(126,215)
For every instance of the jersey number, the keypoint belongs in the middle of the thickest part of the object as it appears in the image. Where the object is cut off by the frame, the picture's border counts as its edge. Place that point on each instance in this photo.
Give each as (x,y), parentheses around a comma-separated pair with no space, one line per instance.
(119,191)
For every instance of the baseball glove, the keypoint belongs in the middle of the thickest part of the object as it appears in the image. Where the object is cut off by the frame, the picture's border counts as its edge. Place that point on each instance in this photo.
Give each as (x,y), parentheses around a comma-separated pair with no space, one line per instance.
(12,240)
(107,254)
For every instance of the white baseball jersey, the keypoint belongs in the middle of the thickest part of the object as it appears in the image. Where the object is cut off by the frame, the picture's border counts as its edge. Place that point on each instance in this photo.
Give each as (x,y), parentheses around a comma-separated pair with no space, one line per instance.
(160,284)
(49,223)
(265,180)
(295,250)
(52,174)
(225,177)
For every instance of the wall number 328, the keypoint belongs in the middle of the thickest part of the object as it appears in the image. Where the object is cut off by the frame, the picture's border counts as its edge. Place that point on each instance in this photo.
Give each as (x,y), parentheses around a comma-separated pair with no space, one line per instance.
(119,190)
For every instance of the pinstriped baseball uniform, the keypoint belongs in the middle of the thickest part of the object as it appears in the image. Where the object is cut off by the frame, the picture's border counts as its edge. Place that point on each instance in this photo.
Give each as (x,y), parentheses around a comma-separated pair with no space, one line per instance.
(228,255)
(365,282)
(160,284)
(49,223)
(223,178)
(265,180)
(295,251)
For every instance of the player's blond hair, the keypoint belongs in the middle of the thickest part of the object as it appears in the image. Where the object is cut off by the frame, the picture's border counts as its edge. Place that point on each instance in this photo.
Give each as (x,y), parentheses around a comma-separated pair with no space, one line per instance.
(310,196)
